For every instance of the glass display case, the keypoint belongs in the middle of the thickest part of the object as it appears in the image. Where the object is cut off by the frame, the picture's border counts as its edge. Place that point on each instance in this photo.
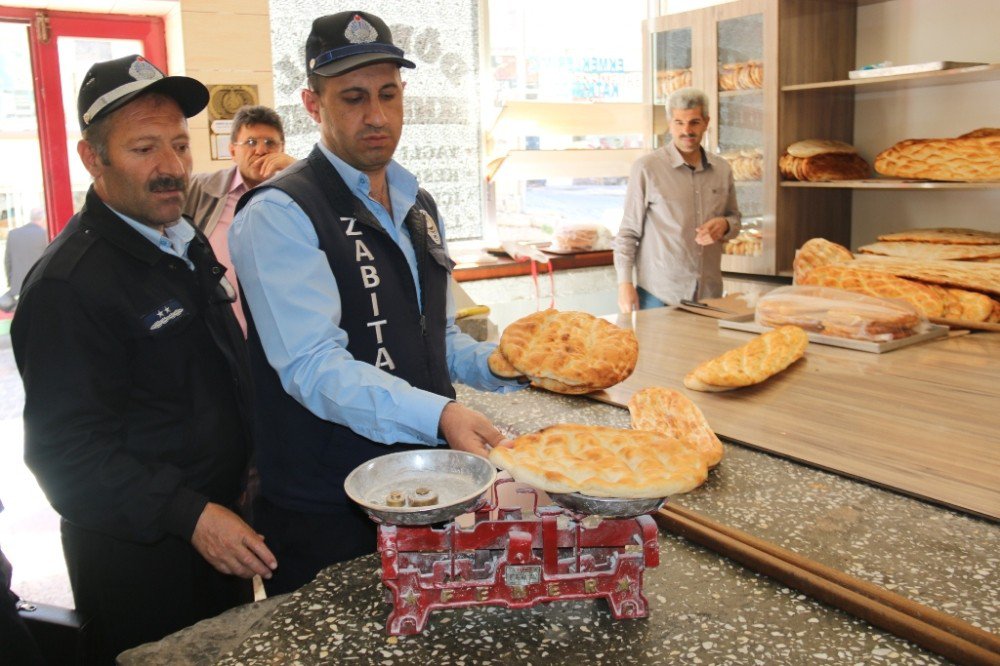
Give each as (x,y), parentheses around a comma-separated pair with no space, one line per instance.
(721,50)
(740,132)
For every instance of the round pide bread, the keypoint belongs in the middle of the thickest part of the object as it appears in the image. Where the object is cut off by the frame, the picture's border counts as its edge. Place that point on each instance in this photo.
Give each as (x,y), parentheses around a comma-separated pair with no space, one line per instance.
(602,462)
(567,352)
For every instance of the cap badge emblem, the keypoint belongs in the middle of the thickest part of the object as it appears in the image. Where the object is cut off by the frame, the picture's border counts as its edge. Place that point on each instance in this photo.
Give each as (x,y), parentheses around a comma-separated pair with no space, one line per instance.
(143,70)
(360,31)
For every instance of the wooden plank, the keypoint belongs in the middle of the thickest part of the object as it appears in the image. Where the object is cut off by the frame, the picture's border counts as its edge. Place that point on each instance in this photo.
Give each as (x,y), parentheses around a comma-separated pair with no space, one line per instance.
(922,420)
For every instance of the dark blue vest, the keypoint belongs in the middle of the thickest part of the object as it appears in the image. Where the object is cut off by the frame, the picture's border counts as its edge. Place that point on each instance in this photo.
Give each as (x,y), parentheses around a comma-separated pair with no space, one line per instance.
(303,459)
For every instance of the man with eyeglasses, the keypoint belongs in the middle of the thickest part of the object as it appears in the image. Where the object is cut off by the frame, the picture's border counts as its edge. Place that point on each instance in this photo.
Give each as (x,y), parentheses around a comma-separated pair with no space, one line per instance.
(257,148)
(352,336)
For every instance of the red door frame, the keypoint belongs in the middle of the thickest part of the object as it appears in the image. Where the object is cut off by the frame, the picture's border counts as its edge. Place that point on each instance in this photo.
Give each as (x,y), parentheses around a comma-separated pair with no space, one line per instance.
(48,86)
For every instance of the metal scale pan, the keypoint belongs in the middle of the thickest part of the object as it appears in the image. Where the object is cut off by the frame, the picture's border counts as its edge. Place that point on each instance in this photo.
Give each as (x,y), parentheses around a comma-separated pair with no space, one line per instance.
(458,481)
(607,507)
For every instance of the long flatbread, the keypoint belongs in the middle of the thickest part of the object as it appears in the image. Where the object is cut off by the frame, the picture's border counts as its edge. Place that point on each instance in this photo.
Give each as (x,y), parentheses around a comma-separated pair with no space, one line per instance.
(932,251)
(951,235)
(672,413)
(761,358)
(974,275)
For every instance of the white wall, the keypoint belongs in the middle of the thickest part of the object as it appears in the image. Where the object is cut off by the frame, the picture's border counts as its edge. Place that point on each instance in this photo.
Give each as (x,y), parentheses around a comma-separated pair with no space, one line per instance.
(915,31)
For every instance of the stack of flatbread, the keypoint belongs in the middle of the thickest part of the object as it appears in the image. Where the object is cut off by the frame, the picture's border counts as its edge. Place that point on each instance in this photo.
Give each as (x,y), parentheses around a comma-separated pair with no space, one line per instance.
(671,413)
(822,160)
(747,75)
(566,352)
(938,244)
(752,363)
(972,157)
(746,164)
(602,462)
(941,289)
(669,80)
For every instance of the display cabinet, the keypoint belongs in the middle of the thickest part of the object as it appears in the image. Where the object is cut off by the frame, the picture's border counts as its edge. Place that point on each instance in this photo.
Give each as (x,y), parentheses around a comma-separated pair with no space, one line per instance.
(740,53)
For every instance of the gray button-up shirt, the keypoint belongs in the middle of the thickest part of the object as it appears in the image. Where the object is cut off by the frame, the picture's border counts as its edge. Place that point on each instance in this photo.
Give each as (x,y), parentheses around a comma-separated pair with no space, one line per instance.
(666,201)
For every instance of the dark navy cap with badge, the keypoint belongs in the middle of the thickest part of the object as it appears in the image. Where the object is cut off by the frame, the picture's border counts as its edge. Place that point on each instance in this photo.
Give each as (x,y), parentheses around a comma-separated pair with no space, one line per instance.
(112,84)
(342,42)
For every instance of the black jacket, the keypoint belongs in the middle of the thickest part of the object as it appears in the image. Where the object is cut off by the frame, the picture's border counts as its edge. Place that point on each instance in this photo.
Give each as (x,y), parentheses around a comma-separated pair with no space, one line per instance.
(136,380)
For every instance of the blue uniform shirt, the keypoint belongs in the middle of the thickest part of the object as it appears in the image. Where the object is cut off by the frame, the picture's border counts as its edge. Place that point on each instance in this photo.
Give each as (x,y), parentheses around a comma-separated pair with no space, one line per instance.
(296,308)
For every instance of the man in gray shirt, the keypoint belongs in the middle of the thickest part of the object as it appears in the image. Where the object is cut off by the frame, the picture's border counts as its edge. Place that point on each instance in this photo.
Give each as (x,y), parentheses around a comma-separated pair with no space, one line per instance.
(680,208)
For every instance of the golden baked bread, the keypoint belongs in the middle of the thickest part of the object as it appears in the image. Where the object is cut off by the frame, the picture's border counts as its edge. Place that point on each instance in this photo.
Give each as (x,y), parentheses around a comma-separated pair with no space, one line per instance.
(746,164)
(835,166)
(500,366)
(813,147)
(775,312)
(752,363)
(973,157)
(875,283)
(672,413)
(952,235)
(602,462)
(569,352)
(817,252)
(824,167)
(973,275)
(933,251)
(819,160)
(973,305)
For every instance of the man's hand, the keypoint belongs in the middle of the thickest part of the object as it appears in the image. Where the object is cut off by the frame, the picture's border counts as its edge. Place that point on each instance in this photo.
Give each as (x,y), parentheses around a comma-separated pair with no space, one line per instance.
(628,297)
(230,545)
(467,430)
(272,163)
(712,231)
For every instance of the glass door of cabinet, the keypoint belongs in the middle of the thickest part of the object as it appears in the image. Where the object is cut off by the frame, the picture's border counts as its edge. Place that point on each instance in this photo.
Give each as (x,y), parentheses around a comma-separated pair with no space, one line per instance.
(676,59)
(740,133)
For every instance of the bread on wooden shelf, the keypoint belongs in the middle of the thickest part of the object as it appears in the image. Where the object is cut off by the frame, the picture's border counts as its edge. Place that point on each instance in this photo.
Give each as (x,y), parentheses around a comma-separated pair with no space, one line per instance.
(972,157)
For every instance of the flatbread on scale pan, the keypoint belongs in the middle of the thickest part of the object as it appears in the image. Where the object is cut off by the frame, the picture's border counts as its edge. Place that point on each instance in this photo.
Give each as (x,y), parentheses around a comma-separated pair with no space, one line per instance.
(602,462)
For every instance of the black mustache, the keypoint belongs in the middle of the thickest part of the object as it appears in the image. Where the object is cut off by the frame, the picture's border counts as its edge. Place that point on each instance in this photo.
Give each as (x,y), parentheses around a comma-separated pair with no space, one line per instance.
(166,184)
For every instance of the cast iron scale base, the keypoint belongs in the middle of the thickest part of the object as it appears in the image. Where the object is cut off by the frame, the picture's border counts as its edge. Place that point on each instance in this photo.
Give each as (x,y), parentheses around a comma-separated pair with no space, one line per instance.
(505,559)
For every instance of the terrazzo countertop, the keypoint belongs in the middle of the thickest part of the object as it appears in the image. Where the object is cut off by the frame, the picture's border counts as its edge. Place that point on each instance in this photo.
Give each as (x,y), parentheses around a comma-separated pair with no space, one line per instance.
(703,608)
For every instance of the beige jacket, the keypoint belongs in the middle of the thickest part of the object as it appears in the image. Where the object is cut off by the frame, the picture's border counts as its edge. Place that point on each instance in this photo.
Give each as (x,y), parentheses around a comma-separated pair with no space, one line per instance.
(206,199)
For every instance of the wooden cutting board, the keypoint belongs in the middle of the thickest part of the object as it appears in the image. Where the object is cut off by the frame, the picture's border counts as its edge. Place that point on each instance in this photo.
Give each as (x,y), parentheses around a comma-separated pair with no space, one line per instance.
(924,420)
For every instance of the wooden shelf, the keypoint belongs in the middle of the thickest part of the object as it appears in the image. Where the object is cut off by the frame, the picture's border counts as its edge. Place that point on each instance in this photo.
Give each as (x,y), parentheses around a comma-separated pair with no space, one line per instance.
(522,118)
(903,81)
(582,163)
(893,184)
(723,94)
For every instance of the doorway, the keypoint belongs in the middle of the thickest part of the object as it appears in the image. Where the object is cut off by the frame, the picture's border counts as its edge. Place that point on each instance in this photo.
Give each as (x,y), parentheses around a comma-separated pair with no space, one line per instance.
(43,58)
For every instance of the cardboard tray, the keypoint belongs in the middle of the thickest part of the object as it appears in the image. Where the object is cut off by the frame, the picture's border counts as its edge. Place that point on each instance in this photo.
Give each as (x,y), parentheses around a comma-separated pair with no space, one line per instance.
(747,323)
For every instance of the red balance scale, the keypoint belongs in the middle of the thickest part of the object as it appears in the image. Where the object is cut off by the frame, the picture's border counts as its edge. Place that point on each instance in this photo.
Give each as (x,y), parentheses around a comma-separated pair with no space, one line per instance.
(581,548)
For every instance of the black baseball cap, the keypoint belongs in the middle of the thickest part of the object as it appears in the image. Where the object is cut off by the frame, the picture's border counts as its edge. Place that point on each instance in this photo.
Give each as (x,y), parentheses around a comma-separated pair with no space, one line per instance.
(345,41)
(112,84)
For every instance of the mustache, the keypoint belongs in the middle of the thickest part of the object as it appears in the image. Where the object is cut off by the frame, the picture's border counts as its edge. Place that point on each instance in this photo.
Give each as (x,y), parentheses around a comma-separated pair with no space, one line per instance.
(167,184)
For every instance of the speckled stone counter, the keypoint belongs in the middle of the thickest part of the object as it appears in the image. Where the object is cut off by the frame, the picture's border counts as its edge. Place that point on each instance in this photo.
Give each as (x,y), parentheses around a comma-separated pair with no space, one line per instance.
(704,609)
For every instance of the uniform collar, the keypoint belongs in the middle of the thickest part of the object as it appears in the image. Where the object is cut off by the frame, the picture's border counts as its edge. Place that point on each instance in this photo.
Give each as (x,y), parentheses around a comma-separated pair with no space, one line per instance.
(97,216)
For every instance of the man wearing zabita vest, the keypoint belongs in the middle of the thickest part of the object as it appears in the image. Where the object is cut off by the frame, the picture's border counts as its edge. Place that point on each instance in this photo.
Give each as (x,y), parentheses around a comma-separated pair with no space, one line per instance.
(351,328)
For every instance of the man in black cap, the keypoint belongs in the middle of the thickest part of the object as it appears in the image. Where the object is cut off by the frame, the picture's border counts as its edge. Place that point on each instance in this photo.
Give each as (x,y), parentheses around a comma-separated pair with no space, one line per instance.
(135,376)
(352,339)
